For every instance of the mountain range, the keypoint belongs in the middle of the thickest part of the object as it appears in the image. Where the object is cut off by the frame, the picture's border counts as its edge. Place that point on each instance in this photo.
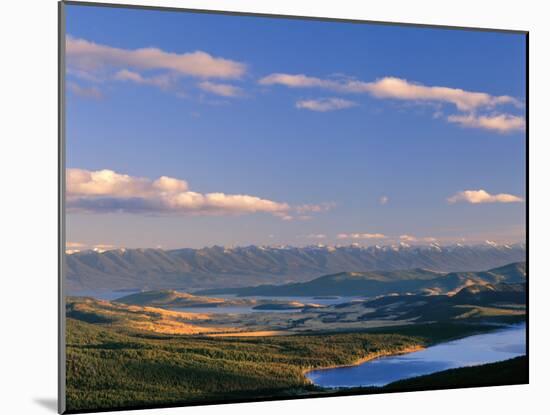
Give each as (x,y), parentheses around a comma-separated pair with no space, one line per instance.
(216,267)
(480,284)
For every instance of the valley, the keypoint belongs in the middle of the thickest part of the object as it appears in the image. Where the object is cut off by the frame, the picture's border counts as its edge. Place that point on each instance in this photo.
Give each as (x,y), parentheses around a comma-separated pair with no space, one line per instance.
(170,347)
(119,367)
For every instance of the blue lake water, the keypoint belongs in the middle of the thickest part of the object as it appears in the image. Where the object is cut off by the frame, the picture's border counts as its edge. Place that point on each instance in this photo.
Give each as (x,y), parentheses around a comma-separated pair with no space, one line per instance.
(104,294)
(469,351)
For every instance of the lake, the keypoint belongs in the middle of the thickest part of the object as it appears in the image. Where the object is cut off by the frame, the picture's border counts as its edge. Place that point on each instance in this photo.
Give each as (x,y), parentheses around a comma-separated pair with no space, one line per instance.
(473,350)
(108,295)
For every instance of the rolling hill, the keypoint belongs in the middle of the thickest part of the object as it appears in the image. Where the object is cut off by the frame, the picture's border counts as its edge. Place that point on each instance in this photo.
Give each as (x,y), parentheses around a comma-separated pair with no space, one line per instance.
(175,299)
(141,319)
(499,302)
(388,282)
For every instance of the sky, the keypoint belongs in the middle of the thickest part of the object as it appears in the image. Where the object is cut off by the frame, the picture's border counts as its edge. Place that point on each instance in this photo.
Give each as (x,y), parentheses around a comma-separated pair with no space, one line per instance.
(191,130)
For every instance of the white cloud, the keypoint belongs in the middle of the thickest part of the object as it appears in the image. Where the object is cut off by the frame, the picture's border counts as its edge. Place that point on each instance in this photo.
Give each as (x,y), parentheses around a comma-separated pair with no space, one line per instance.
(224,90)
(413,239)
(404,90)
(316,236)
(170,185)
(481,196)
(406,238)
(94,62)
(100,183)
(74,247)
(317,208)
(394,88)
(325,104)
(106,191)
(86,92)
(384,200)
(296,81)
(502,123)
(361,236)
(305,211)
(164,81)
(92,57)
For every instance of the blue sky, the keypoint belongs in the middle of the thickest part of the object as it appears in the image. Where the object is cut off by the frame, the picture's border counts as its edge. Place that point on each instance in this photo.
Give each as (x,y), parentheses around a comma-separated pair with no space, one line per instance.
(290,132)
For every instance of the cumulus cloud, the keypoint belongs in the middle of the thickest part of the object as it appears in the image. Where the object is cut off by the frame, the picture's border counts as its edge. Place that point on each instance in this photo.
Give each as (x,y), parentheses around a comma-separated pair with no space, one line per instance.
(316,236)
(90,56)
(296,81)
(86,92)
(403,239)
(395,88)
(164,81)
(402,89)
(502,123)
(317,208)
(482,196)
(406,238)
(74,247)
(151,66)
(361,236)
(106,191)
(224,90)
(325,104)
(405,90)
(107,183)
(304,212)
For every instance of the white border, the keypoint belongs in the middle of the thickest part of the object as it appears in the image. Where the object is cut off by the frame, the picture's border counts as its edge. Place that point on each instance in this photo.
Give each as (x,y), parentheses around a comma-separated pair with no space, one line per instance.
(29,209)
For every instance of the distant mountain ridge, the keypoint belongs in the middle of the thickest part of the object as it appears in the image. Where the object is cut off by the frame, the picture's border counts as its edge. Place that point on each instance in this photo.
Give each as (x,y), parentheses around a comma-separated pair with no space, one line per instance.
(509,278)
(215,267)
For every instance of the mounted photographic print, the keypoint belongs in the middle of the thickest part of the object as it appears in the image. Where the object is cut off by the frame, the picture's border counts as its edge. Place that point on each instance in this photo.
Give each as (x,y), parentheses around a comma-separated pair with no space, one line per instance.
(258,207)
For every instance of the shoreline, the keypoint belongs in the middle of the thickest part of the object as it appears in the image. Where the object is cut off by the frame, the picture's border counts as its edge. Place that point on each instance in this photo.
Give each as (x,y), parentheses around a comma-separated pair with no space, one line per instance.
(372,356)
(410,349)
